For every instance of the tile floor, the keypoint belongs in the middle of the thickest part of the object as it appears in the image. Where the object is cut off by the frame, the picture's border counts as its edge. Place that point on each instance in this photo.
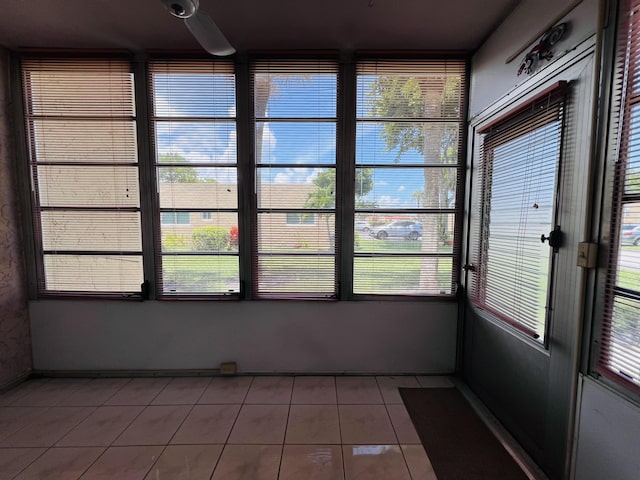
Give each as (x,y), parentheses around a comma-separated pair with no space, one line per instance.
(192,428)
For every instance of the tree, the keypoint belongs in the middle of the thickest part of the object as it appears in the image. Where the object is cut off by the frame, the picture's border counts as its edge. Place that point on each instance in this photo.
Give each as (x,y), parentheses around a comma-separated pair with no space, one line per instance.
(324,195)
(423,97)
(175,174)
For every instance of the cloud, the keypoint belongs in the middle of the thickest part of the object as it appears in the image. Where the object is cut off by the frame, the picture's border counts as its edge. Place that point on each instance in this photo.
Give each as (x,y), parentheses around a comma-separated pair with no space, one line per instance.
(381,183)
(388,201)
(402,188)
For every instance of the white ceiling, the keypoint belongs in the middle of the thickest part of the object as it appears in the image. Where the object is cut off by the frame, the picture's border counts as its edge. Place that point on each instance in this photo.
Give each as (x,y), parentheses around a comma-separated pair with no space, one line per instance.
(254,24)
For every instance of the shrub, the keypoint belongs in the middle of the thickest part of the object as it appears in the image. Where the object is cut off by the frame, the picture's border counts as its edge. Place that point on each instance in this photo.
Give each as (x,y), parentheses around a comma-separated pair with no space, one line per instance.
(233,236)
(211,239)
(174,242)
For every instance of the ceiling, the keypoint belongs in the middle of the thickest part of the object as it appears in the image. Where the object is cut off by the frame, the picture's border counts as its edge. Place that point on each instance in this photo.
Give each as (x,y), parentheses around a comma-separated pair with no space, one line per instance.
(139,25)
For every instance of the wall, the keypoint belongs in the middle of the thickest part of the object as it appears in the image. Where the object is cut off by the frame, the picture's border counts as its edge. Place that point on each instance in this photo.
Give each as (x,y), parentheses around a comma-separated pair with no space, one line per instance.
(607,434)
(15,342)
(261,336)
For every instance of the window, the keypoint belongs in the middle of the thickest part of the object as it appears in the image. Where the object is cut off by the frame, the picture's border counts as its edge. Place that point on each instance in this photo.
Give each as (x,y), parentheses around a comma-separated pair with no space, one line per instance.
(301,219)
(345,184)
(295,118)
(618,357)
(519,164)
(409,119)
(81,126)
(194,129)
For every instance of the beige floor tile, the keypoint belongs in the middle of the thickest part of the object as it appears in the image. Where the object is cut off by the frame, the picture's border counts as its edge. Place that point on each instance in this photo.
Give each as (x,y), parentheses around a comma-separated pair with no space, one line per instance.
(139,391)
(260,424)
(405,431)
(311,462)
(48,428)
(435,381)
(223,390)
(358,390)
(418,463)
(248,462)
(182,391)
(389,387)
(13,419)
(186,462)
(365,424)
(154,426)
(207,424)
(61,464)
(53,392)
(101,428)
(374,462)
(314,390)
(96,392)
(123,463)
(14,460)
(270,390)
(313,424)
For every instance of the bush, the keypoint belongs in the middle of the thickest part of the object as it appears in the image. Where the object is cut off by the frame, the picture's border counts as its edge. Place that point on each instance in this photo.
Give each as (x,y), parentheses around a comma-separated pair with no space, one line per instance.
(210,239)
(233,236)
(174,242)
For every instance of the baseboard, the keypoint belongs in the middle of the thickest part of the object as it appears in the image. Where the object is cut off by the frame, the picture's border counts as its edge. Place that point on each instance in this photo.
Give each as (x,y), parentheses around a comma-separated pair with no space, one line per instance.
(15,382)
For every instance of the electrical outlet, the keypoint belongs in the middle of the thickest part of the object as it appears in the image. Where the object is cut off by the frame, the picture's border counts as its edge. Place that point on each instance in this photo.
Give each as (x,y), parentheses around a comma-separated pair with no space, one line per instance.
(228,368)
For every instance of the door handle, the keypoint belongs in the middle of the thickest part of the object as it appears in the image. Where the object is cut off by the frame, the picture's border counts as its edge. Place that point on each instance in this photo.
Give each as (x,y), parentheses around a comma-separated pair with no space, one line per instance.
(554,238)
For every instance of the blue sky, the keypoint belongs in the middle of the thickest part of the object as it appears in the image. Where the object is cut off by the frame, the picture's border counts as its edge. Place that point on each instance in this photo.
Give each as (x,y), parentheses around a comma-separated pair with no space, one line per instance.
(286,143)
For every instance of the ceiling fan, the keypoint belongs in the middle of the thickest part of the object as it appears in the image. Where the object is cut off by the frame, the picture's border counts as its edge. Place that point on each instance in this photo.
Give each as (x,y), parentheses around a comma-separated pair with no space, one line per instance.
(201,26)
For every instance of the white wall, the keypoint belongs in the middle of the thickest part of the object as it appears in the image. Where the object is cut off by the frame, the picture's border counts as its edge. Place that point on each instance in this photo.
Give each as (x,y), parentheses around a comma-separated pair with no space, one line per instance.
(261,336)
(608,436)
(493,79)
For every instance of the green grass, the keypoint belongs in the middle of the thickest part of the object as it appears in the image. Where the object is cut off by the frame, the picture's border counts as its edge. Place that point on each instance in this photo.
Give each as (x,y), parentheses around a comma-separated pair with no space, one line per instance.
(629,279)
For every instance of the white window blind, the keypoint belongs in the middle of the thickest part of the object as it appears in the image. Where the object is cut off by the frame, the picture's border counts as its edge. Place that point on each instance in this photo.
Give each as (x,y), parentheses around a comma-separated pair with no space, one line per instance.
(619,346)
(194,130)
(519,162)
(81,125)
(295,127)
(409,129)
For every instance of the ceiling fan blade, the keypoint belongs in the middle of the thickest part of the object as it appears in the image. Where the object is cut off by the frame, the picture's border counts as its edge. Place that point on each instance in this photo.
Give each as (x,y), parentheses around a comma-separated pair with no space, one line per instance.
(209,35)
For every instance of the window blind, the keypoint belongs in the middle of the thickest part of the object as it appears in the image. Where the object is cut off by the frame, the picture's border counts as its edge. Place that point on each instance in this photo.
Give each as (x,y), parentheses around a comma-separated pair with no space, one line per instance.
(519,161)
(81,126)
(409,133)
(619,347)
(295,130)
(193,121)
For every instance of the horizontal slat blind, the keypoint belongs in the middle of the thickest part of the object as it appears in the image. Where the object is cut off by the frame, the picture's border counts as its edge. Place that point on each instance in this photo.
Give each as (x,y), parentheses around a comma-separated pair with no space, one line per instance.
(194,128)
(80,119)
(409,129)
(295,128)
(619,354)
(519,162)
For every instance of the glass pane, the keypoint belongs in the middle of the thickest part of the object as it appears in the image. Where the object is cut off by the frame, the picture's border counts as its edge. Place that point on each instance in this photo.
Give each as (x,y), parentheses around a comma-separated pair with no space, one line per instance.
(632,175)
(296,187)
(296,143)
(303,94)
(93,273)
(405,188)
(623,348)
(189,94)
(197,187)
(516,264)
(628,268)
(304,232)
(200,274)
(64,140)
(402,275)
(88,186)
(422,233)
(196,142)
(92,231)
(409,95)
(388,143)
(296,274)
(197,232)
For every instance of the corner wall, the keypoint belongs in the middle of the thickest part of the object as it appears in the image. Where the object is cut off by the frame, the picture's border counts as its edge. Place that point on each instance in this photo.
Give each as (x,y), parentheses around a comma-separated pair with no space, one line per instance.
(15,340)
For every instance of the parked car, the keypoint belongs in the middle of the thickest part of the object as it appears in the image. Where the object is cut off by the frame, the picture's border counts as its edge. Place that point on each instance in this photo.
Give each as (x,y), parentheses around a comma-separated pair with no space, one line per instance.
(362,226)
(407,229)
(630,234)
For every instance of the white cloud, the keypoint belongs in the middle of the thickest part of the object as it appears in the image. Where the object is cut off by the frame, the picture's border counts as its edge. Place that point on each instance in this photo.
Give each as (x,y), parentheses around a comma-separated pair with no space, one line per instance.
(381,183)
(388,201)
(402,188)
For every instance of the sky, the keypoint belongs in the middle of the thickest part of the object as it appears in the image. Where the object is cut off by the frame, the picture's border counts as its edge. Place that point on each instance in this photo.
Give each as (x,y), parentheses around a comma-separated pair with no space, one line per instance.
(295,151)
